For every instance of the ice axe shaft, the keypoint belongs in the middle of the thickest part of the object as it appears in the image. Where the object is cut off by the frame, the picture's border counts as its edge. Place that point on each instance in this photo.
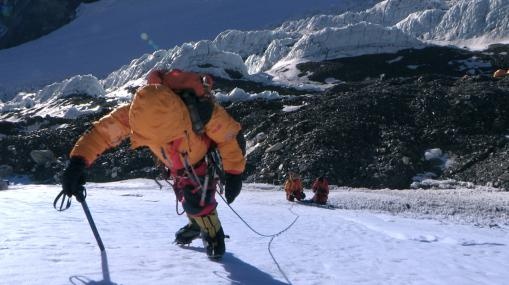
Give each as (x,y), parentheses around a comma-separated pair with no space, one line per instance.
(92,225)
(63,202)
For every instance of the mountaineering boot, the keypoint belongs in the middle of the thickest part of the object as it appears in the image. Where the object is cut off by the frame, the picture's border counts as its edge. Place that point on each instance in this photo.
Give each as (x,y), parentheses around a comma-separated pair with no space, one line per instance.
(214,245)
(212,234)
(187,233)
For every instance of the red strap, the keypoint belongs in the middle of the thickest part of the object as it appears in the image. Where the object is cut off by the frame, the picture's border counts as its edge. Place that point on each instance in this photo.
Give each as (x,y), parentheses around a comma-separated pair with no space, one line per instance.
(179,80)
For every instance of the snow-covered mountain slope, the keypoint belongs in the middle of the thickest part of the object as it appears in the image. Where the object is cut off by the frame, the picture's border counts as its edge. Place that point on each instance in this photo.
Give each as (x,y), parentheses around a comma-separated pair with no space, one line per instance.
(109,33)
(137,223)
(271,55)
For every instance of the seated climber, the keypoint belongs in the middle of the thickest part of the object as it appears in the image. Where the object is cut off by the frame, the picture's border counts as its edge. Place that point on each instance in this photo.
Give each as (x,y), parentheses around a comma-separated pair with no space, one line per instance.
(321,189)
(293,187)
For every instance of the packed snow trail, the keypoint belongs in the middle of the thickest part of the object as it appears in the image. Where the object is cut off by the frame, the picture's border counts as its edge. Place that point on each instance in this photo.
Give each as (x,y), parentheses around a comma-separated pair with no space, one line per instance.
(39,245)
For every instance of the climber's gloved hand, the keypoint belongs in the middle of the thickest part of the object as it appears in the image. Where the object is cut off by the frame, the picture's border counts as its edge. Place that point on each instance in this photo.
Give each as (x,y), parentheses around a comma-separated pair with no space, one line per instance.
(233,185)
(73,179)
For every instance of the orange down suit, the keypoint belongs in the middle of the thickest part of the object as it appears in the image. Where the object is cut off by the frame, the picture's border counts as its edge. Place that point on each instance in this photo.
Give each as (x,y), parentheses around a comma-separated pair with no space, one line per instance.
(321,189)
(293,189)
(159,119)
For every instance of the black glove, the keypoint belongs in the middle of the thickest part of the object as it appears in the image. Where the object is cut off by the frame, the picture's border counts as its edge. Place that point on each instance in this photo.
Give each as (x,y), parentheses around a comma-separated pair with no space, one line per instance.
(73,179)
(233,185)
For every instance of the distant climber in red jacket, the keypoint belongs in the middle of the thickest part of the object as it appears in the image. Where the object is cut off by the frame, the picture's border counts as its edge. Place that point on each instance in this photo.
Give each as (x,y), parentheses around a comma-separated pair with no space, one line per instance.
(321,189)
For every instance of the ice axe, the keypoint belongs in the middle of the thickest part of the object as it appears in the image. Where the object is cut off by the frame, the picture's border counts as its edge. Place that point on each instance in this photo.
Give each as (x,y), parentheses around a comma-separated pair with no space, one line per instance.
(62,202)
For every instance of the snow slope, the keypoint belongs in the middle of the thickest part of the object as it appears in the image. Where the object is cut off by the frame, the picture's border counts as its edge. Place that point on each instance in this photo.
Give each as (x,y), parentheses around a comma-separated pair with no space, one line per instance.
(137,223)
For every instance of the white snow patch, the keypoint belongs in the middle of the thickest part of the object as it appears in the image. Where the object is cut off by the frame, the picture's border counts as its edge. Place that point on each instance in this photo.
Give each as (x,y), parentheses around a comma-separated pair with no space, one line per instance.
(287,108)
(62,126)
(441,184)
(438,154)
(238,94)
(330,80)
(73,112)
(399,58)
(433,153)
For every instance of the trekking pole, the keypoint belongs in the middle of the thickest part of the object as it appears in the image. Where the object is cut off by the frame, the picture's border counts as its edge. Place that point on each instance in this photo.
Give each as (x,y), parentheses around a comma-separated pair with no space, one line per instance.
(62,202)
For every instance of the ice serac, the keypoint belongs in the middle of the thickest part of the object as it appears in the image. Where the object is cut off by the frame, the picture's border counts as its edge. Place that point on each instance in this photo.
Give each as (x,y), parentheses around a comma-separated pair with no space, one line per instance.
(87,85)
(419,24)
(245,43)
(485,20)
(77,85)
(276,50)
(352,40)
(45,101)
(202,56)
(390,12)
(385,13)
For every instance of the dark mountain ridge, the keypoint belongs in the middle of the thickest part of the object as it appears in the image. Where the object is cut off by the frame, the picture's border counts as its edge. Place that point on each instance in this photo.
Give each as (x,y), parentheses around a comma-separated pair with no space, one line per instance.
(25,20)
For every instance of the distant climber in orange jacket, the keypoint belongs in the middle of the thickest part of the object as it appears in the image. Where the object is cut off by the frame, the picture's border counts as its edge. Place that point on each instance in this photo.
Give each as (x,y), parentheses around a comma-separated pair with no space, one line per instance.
(158,118)
(293,187)
(321,189)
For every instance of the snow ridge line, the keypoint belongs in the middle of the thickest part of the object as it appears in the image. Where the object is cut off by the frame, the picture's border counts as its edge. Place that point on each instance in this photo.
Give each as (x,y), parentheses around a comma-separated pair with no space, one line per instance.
(272,237)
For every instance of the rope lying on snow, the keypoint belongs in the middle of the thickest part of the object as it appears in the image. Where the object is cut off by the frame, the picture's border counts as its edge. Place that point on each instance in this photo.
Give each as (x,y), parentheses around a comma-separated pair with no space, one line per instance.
(272,236)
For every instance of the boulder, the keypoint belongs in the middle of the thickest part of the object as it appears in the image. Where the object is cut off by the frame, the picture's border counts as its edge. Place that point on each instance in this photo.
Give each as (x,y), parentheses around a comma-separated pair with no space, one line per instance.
(4,184)
(42,157)
(275,147)
(261,137)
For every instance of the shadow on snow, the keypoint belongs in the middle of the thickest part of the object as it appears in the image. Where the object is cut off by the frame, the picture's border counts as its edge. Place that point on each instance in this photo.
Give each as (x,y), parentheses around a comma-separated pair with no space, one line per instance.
(82,280)
(240,272)
(244,273)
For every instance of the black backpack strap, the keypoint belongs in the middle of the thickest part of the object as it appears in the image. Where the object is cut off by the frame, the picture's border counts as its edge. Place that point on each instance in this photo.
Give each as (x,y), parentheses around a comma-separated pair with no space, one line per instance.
(200,110)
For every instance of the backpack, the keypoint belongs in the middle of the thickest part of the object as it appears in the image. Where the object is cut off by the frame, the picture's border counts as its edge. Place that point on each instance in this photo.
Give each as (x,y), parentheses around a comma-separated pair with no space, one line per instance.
(193,88)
